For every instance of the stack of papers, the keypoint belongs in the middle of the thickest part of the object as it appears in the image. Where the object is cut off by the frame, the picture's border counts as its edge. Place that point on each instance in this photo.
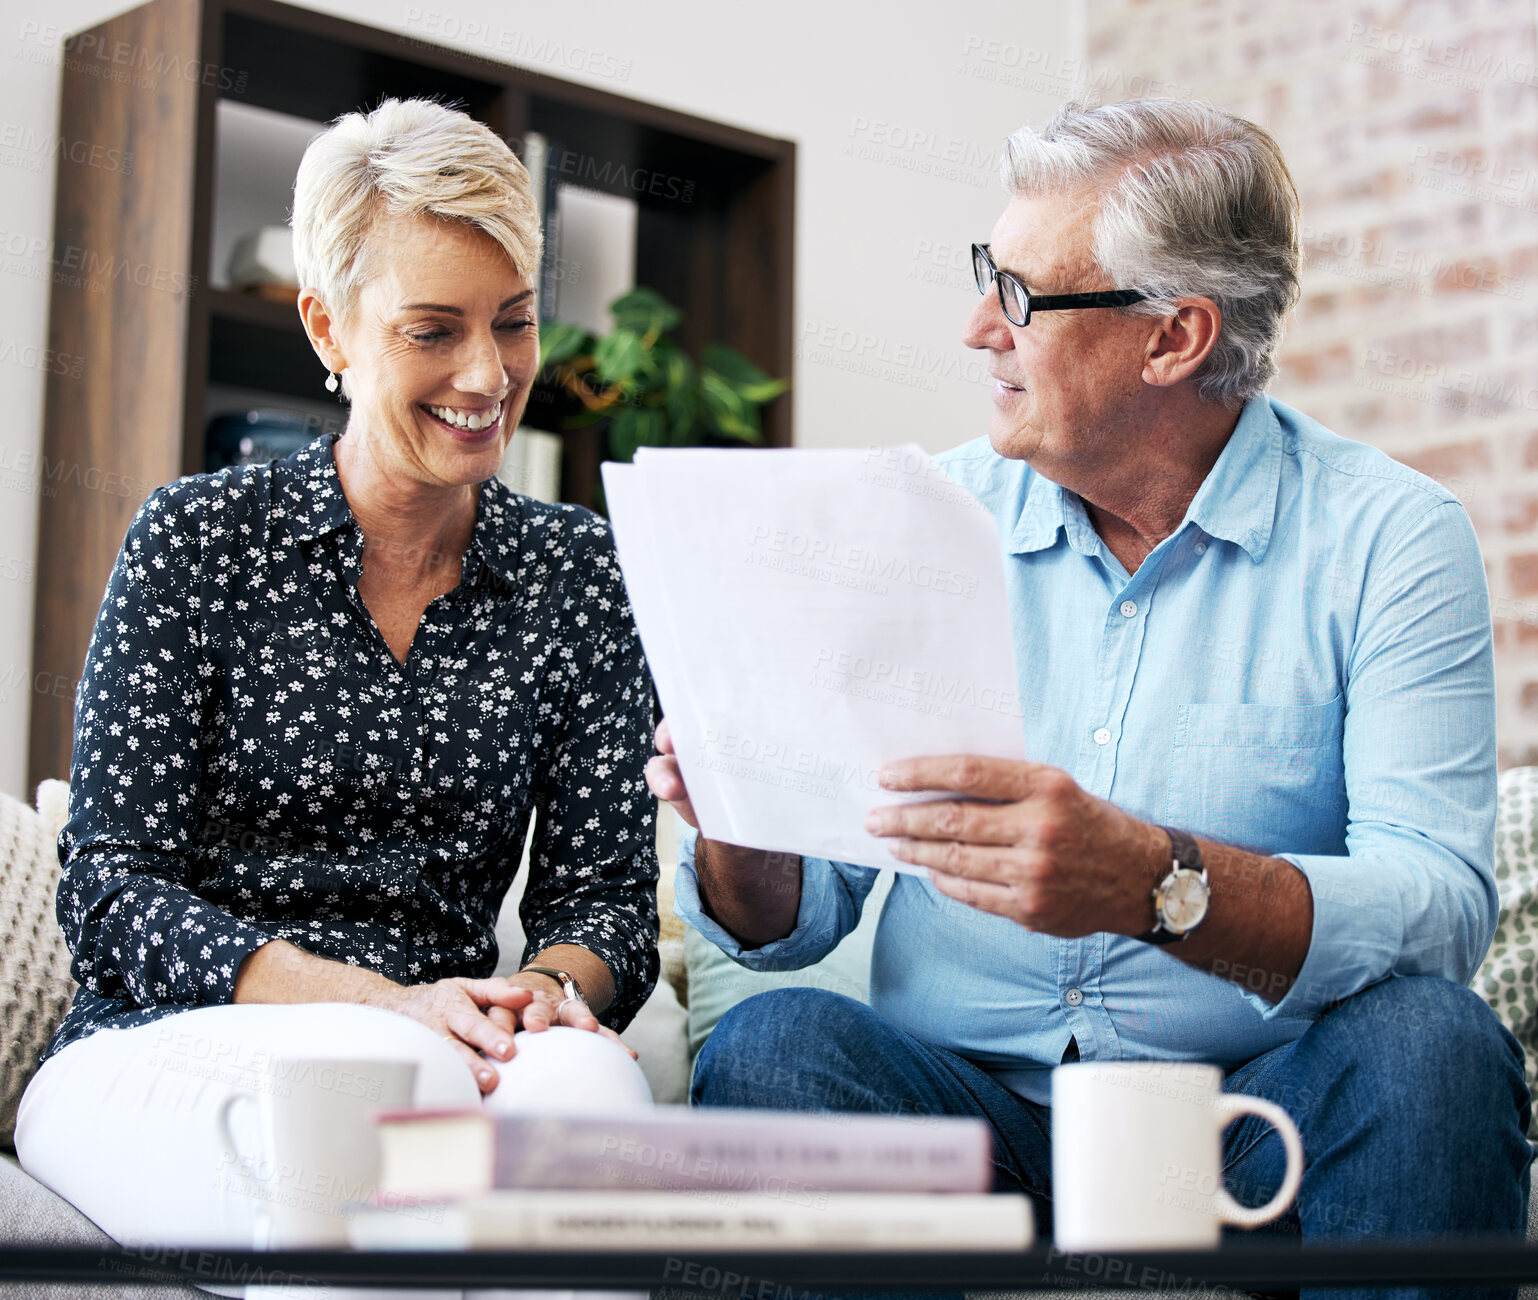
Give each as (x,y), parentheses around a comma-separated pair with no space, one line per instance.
(809,616)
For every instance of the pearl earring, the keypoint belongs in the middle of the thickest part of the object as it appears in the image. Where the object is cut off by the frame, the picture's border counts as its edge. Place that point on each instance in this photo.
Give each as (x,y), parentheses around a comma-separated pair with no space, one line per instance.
(332,383)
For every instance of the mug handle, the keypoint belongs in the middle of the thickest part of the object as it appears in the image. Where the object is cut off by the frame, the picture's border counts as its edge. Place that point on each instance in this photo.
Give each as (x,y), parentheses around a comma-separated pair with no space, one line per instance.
(1228,1107)
(222,1123)
(261,1228)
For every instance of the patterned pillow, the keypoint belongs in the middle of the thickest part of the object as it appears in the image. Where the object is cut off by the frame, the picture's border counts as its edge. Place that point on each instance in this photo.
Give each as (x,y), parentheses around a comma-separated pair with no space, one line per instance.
(35,984)
(1508,979)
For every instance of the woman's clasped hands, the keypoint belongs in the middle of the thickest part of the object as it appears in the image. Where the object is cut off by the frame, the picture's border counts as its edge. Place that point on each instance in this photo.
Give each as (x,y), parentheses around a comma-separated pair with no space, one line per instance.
(480,1016)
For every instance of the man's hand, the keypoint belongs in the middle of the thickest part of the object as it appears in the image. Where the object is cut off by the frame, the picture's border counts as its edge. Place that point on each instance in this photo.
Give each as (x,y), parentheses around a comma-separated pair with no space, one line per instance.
(665,779)
(1046,853)
(1057,860)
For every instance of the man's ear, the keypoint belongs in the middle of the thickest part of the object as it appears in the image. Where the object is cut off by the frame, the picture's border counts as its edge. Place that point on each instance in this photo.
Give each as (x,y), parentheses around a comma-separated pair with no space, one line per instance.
(321,327)
(1182,341)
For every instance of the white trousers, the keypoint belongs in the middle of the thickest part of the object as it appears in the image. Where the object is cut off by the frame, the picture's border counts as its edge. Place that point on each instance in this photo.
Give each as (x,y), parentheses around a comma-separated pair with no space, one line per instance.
(123,1124)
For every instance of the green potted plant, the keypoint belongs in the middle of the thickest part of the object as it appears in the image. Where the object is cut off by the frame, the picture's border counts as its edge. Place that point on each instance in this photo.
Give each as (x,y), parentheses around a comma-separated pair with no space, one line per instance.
(647,390)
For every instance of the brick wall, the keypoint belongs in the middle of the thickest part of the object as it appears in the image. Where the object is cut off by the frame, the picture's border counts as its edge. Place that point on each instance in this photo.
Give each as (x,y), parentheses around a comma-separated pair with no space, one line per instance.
(1412,132)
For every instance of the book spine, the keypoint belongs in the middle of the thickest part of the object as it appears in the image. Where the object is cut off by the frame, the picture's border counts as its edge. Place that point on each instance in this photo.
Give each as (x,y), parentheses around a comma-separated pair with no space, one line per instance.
(550,266)
(673,1156)
(627,1221)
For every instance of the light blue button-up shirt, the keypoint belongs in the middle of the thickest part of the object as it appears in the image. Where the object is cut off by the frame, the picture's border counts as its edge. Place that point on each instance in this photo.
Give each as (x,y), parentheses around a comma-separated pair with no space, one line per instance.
(1303,669)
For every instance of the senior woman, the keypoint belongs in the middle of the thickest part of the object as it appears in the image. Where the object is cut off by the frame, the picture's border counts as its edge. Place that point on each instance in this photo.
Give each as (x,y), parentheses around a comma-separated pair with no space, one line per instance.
(324,697)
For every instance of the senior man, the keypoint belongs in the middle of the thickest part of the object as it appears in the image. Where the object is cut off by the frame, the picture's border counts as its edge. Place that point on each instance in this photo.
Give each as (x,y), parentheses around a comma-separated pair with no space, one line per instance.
(1255,669)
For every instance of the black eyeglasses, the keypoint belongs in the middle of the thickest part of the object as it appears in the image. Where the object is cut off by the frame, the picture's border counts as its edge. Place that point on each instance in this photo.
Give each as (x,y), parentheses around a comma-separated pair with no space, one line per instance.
(1019,302)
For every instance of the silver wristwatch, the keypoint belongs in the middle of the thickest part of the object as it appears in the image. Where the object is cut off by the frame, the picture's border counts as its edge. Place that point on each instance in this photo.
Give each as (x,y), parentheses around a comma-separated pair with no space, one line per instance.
(1181,899)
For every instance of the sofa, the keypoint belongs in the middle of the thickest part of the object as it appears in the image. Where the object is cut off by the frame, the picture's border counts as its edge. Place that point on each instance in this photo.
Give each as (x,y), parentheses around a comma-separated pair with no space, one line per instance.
(35,990)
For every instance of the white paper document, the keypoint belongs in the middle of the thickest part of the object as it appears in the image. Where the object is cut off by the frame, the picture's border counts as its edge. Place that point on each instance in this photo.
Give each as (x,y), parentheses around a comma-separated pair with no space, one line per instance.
(809,616)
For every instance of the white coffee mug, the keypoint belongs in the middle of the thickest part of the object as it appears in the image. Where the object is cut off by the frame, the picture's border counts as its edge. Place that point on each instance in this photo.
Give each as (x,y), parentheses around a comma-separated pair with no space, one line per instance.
(1137,1156)
(318,1144)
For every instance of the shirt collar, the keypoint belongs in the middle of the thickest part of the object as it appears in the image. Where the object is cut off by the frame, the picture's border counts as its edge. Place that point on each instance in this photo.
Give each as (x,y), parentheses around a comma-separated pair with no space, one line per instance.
(494,541)
(1041,516)
(1236,501)
(315,492)
(320,507)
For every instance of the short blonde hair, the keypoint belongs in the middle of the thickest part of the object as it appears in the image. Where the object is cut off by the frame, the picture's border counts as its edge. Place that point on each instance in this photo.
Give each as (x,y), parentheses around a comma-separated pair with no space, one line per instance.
(1192,200)
(410,158)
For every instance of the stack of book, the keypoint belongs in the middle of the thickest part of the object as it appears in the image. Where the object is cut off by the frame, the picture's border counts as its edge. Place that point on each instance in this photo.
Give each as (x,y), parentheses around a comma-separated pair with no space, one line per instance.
(675,1178)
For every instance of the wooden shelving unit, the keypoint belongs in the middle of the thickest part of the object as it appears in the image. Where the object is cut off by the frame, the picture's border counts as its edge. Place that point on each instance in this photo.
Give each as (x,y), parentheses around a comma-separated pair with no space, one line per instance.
(715,238)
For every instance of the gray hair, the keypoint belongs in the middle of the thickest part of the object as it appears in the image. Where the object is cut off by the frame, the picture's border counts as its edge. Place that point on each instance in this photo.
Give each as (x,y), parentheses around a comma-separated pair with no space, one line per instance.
(412,158)
(1192,201)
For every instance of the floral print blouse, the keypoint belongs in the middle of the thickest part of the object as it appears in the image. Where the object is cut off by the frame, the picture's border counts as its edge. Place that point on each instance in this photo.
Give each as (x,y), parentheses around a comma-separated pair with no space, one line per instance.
(252,763)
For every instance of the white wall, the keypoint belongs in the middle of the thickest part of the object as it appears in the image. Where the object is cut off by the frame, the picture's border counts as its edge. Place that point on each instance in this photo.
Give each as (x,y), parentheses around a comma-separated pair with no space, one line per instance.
(898,110)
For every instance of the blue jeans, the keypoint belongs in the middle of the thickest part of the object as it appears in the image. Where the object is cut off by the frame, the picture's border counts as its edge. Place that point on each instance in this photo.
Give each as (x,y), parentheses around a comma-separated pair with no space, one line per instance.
(1410,1098)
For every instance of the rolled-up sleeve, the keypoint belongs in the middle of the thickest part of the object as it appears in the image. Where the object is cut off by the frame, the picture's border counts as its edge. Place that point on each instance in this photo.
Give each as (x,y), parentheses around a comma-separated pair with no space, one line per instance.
(136,928)
(1415,893)
(593,864)
(832,896)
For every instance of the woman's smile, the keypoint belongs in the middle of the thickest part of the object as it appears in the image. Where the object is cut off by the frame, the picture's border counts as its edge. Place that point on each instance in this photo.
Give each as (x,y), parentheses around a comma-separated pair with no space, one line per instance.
(468,424)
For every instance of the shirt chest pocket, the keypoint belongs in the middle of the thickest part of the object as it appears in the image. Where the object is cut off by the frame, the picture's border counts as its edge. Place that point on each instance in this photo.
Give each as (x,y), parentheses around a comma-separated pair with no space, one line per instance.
(1260,726)
(1269,777)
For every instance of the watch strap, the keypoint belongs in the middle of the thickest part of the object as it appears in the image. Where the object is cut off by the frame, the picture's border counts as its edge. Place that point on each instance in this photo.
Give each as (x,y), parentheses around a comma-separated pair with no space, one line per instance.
(1184,849)
(568,982)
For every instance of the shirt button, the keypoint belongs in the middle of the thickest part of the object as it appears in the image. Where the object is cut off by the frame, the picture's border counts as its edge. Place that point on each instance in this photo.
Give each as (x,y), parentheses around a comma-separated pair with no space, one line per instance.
(1073,997)
(1102,737)
(1128,608)
(1200,548)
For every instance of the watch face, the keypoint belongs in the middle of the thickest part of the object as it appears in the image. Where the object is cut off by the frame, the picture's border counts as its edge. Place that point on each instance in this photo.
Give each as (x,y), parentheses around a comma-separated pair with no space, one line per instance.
(1185,901)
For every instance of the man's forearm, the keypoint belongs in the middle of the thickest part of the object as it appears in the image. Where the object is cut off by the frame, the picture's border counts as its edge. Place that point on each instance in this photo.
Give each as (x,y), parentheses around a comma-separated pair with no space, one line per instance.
(1259,924)
(752,894)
